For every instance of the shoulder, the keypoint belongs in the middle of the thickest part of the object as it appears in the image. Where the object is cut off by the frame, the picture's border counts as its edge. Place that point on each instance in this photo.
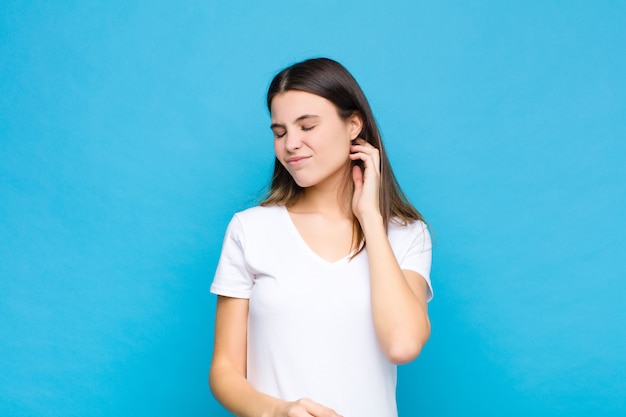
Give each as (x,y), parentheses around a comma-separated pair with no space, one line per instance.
(258,220)
(253,225)
(400,229)
(404,235)
(259,213)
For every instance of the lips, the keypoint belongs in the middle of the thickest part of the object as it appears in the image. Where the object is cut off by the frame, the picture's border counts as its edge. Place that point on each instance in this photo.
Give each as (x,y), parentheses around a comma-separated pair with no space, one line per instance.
(295,161)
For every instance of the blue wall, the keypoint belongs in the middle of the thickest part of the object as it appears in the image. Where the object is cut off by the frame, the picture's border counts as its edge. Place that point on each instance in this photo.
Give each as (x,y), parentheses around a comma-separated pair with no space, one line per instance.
(131,131)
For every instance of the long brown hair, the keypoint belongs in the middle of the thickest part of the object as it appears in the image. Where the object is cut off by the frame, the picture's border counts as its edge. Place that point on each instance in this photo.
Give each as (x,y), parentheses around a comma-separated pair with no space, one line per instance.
(330,80)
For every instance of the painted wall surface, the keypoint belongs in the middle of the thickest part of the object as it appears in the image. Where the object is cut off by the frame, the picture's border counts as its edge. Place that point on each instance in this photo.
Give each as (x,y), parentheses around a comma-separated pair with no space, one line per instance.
(130,132)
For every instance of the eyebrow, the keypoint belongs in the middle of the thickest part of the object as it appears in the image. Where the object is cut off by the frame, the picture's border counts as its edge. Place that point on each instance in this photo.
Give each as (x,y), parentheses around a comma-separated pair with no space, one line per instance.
(299,119)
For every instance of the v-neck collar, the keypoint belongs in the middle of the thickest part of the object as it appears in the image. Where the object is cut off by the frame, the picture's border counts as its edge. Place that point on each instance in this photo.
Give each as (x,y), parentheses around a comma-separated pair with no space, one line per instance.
(298,237)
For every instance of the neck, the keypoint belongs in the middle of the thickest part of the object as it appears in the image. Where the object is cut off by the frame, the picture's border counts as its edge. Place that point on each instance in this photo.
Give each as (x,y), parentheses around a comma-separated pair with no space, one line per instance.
(328,198)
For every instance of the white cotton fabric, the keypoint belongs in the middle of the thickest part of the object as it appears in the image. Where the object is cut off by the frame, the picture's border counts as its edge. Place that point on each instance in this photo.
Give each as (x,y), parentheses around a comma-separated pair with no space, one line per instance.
(310,329)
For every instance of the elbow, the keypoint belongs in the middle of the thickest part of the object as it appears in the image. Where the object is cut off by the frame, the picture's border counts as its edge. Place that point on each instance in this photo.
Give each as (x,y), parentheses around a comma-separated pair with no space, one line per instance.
(402,353)
(211,381)
(408,347)
(215,377)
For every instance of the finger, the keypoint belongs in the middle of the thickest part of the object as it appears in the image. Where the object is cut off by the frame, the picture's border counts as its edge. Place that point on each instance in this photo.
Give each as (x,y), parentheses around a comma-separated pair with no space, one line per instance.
(366,147)
(362,142)
(362,150)
(318,410)
(300,408)
(357,177)
(370,161)
(366,151)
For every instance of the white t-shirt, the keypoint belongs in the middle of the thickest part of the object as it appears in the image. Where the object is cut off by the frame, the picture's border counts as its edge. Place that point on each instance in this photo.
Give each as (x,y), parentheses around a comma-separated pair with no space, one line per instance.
(310,329)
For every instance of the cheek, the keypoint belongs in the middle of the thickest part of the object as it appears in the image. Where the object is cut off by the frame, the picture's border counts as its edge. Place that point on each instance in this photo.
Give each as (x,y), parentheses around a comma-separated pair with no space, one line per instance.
(336,141)
(278,150)
(336,156)
(340,147)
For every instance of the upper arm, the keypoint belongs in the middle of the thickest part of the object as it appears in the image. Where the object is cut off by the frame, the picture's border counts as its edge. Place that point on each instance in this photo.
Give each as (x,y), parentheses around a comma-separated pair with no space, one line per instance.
(231,333)
(421,290)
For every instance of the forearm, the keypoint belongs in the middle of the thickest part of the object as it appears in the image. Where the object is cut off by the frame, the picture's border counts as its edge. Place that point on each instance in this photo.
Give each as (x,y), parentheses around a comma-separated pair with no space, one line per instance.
(236,394)
(227,377)
(400,315)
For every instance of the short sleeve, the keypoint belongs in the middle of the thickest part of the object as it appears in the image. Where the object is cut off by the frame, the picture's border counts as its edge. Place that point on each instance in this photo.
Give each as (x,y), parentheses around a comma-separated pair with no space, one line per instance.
(232,278)
(418,254)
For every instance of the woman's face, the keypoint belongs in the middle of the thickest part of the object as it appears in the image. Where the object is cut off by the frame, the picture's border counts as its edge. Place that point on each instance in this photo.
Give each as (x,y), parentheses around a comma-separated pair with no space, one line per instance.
(310,139)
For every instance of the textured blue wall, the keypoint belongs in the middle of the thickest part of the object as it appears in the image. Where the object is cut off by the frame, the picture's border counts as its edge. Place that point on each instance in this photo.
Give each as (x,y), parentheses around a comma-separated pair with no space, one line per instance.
(131,131)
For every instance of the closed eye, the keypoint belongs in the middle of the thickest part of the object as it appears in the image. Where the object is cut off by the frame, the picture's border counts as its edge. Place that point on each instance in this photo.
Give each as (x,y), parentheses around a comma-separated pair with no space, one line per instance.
(307,128)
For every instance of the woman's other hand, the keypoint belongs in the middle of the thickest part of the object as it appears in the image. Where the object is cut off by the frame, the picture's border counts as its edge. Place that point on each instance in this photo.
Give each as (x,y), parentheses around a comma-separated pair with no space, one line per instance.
(307,408)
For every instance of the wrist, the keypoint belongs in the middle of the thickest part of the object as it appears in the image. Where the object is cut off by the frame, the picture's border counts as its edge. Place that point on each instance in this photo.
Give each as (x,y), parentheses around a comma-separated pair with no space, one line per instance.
(373,220)
(277,409)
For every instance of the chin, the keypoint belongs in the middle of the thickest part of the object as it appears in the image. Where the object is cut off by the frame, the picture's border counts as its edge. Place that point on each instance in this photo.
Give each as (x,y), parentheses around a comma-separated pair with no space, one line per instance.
(303,181)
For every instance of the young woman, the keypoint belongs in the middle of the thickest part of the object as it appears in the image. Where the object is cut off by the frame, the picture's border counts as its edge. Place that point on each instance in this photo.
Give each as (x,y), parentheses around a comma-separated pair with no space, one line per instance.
(323,288)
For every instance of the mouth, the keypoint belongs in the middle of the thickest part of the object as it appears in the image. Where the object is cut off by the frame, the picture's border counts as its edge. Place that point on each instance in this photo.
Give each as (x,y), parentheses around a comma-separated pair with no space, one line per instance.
(296,160)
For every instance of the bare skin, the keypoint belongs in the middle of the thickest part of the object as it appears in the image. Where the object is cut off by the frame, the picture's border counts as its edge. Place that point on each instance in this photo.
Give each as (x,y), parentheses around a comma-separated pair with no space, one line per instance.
(398,297)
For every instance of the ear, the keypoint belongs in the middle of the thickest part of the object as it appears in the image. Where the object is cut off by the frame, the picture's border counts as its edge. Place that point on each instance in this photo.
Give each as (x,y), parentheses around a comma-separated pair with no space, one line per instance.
(355,125)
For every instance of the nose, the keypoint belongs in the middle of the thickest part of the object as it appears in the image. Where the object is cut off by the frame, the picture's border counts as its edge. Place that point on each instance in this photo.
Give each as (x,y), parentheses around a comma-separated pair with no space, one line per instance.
(293,142)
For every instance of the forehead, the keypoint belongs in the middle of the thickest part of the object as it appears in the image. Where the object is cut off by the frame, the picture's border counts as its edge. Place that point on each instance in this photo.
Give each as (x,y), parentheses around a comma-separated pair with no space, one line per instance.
(289,105)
